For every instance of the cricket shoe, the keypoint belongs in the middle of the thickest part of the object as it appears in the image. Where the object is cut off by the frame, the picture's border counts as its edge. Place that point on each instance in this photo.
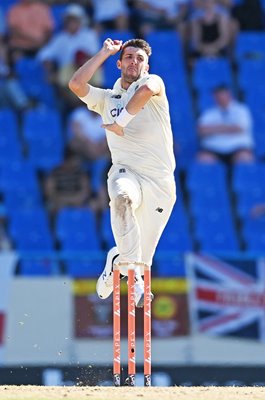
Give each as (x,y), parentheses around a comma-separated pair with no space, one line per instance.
(139,293)
(104,285)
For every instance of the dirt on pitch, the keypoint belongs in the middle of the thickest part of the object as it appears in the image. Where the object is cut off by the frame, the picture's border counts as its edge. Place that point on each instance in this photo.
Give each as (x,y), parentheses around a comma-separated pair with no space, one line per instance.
(129,393)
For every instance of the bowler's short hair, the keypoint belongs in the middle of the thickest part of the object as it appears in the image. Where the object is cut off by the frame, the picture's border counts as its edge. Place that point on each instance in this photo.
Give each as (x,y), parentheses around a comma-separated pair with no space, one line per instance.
(138,43)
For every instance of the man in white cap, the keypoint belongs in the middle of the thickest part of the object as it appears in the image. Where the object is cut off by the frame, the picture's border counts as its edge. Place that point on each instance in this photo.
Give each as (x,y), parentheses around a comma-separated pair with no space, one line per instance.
(75,41)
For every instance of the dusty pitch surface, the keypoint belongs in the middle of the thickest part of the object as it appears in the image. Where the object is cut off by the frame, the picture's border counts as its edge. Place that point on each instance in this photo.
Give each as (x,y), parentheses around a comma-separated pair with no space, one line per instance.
(128,393)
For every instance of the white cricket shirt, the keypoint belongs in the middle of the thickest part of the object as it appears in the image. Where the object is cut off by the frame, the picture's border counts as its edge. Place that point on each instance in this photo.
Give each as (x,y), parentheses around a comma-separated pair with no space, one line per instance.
(147,144)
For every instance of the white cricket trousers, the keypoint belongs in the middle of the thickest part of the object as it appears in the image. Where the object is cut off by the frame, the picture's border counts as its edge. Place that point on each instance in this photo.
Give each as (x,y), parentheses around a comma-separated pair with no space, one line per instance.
(140,208)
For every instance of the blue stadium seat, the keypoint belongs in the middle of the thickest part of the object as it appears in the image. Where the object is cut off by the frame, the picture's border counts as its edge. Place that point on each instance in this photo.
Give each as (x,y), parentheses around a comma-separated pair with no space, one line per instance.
(183,127)
(57,13)
(170,266)
(204,100)
(18,175)
(76,229)
(79,239)
(10,145)
(176,236)
(258,131)
(44,266)
(208,198)
(254,233)
(250,45)
(251,73)
(210,207)
(167,58)
(6,4)
(42,129)
(106,229)
(20,197)
(215,231)
(248,186)
(254,97)
(208,73)
(248,175)
(167,41)
(205,176)
(248,198)
(30,230)
(84,266)
(32,77)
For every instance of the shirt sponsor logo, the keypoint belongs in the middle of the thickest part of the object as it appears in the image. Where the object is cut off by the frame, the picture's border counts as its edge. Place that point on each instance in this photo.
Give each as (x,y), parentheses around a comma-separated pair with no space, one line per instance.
(115,112)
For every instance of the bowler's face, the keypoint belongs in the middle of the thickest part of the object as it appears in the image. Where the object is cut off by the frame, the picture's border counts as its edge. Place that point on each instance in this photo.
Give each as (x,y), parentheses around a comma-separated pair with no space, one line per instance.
(134,64)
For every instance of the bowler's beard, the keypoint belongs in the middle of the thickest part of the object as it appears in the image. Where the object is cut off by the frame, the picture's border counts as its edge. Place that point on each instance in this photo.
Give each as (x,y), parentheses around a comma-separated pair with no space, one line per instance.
(129,78)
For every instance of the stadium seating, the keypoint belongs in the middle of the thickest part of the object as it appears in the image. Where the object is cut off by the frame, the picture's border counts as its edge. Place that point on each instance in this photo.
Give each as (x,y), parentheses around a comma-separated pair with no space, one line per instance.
(41,266)
(10,143)
(106,231)
(79,239)
(21,198)
(176,236)
(33,80)
(210,208)
(6,4)
(167,58)
(167,61)
(18,175)
(254,233)
(57,13)
(211,214)
(248,186)
(42,130)
(249,45)
(210,72)
(30,230)
(76,229)
(251,73)
(204,100)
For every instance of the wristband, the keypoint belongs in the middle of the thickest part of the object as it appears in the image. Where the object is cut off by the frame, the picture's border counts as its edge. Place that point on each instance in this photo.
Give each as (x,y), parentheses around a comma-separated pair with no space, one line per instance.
(124,118)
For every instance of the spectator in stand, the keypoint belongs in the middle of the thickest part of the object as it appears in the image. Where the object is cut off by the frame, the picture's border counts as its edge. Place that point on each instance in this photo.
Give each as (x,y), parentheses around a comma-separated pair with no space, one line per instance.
(160,14)
(109,14)
(69,49)
(67,185)
(87,139)
(30,26)
(11,93)
(225,130)
(211,30)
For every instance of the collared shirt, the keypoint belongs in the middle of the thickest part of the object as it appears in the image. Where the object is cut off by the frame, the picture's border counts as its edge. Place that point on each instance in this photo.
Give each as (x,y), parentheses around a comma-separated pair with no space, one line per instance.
(147,144)
(89,122)
(235,114)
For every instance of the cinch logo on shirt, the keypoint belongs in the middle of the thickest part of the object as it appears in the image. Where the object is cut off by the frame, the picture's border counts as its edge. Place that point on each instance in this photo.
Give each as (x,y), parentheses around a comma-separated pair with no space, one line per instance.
(115,112)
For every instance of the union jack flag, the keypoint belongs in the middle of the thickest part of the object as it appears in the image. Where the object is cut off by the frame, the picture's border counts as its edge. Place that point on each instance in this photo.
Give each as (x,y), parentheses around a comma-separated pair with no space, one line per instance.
(227,298)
